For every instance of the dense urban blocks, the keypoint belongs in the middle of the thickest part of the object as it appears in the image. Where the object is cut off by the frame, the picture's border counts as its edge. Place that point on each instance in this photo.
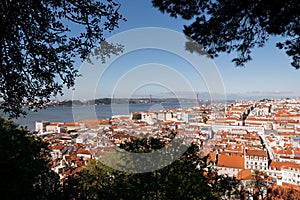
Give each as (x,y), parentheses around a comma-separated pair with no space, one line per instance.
(241,139)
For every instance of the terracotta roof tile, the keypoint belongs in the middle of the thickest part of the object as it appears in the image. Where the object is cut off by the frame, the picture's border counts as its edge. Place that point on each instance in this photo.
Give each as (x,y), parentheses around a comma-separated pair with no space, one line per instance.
(279,165)
(254,152)
(245,174)
(231,161)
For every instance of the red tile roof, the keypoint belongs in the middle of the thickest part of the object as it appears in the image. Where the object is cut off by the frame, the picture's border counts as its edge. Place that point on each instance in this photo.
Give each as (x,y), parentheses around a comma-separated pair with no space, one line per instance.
(245,174)
(231,161)
(279,165)
(254,152)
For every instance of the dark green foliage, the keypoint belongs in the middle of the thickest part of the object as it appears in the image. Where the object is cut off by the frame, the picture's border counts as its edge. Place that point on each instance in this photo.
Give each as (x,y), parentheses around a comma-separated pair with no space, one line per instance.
(24,169)
(227,26)
(143,145)
(189,177)
(39,40)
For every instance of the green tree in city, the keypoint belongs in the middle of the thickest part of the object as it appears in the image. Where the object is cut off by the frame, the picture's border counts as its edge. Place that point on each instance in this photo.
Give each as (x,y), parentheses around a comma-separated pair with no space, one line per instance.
(189,177)
(238,26)
(24,169)
(39,42)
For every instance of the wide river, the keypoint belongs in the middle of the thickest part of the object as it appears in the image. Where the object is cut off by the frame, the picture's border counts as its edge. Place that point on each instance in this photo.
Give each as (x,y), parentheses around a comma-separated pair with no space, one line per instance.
(69,114)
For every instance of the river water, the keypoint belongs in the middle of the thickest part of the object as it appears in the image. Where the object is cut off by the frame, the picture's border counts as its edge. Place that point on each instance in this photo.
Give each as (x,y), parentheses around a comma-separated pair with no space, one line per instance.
(69,114)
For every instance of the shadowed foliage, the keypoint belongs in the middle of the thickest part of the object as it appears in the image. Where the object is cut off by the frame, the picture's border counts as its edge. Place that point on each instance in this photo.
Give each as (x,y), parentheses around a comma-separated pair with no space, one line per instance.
(280,193)
(239,26)
(24,169)
(189,177)
(39,41)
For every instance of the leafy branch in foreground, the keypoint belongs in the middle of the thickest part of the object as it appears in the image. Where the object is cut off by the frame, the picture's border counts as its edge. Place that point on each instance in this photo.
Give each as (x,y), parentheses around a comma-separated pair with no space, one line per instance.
(24,169)
(238,26)
(39,41)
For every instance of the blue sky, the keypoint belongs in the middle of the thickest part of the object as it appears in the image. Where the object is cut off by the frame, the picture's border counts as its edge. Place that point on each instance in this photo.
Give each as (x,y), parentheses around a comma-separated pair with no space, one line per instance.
(267,74)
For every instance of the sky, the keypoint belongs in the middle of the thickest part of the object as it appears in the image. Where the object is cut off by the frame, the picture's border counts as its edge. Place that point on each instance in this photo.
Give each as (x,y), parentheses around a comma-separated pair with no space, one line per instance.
(161,72)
